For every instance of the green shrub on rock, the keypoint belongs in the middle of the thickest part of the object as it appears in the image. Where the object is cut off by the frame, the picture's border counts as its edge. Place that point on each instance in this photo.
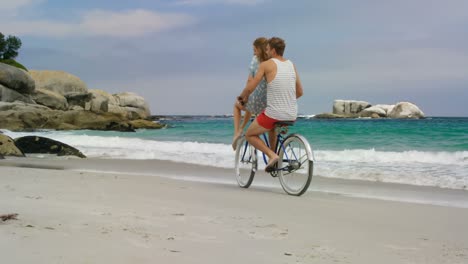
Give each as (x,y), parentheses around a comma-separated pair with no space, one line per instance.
(14,63)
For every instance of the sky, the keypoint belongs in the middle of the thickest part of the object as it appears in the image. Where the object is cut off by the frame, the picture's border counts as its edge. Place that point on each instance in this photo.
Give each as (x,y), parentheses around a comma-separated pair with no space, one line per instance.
(192,57)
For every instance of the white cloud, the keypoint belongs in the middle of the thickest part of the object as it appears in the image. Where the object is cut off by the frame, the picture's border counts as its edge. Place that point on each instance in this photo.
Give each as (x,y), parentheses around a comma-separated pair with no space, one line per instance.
(102,23)
(131,23)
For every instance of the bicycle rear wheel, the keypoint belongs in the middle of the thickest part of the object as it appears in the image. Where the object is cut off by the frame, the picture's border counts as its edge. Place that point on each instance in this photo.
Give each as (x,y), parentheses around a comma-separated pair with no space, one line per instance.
(295,165)
(246,163)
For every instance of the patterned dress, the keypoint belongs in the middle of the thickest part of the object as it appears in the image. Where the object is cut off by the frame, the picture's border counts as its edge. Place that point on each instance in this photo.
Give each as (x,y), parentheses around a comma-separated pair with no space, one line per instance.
(258,98)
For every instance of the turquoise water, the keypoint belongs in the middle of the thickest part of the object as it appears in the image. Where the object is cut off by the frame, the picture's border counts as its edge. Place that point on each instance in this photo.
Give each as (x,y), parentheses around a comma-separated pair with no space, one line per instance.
(432,134)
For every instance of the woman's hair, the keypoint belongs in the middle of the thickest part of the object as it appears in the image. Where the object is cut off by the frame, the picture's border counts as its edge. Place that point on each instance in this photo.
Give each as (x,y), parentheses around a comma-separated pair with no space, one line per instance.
(260,44)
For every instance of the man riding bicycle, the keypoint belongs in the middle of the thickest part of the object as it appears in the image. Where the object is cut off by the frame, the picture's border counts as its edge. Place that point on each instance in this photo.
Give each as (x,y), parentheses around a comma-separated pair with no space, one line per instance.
(283,89)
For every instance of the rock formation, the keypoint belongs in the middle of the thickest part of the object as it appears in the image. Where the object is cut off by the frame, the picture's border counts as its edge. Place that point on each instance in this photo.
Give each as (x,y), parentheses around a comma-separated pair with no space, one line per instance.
(59,100)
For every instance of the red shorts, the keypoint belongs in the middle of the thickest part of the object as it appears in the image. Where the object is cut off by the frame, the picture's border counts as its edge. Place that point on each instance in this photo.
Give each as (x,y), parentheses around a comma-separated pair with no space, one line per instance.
(266,121)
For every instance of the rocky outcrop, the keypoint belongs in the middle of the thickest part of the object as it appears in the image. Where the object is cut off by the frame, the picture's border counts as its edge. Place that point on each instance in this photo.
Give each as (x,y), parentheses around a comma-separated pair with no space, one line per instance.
(59,100)
(406,110)
(20,117)
(357,109)
(35,144)
(8,147)
(16,79)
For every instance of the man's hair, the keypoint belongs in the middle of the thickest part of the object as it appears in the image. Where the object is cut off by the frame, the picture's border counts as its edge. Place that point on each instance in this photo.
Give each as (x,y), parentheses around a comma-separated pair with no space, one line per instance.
(277,44)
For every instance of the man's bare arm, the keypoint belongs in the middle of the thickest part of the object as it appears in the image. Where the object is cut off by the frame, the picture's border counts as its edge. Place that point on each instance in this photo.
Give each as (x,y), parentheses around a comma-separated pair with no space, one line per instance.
(250,78)
(252,84)
(299,90)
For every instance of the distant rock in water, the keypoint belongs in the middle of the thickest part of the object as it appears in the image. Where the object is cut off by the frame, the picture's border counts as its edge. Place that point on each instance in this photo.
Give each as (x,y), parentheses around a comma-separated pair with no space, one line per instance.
(362,109)
(405,110)
(35,144)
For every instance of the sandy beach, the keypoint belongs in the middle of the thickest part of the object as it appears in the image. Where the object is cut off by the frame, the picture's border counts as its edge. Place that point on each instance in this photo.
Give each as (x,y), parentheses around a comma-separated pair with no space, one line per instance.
(111,211)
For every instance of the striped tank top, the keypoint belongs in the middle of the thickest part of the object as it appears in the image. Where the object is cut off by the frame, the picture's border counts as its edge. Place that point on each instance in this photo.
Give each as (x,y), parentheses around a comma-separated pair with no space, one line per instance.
(281,93)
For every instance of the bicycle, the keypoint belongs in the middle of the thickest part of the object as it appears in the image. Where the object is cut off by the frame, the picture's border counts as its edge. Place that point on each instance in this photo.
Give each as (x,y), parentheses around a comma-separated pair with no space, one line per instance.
(294,168)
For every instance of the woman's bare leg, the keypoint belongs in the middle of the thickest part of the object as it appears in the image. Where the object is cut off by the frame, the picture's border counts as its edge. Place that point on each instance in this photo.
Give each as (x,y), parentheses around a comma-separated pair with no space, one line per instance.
(247,117)
(237,131)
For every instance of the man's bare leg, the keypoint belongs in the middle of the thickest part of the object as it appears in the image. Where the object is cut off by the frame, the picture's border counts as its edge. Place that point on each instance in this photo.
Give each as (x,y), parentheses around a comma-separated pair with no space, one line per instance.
(272,139)
(253,136)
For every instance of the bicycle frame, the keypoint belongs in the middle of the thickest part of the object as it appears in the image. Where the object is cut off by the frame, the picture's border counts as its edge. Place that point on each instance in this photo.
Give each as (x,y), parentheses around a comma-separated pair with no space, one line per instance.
(280,130)
(279,144)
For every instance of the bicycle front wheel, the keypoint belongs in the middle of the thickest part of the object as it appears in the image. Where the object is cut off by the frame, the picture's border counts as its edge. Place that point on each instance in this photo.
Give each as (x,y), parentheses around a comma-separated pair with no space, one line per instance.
(246,163)
(295,165)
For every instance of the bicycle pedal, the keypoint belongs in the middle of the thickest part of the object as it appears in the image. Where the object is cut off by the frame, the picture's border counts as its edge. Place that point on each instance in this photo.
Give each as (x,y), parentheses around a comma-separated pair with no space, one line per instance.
(294,165)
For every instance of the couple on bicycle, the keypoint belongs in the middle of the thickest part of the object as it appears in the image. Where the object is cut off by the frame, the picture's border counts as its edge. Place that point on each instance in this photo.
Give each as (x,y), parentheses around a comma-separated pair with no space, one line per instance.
(278,79)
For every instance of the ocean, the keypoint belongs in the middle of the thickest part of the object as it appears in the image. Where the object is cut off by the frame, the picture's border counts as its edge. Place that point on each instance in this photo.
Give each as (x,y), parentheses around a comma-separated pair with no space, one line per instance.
(425,152)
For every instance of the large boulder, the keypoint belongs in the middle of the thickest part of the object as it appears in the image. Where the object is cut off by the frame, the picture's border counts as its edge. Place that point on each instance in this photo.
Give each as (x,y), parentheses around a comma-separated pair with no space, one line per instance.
(101,100)
(385,107)
(135,105)
(16,79)
(406,110)
(35,144)
(8,147)
(59,82)
(21,116)
(349,107)
(81,100)
(379,110)
(9,95)
(50,99)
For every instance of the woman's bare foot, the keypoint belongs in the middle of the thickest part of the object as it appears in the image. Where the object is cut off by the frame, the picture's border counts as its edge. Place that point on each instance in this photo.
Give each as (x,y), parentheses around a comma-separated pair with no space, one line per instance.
(235,139)
(272,163)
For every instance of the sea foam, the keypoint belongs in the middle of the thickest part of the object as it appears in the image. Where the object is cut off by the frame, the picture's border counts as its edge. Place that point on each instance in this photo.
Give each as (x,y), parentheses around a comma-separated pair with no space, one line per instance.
(441,169)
